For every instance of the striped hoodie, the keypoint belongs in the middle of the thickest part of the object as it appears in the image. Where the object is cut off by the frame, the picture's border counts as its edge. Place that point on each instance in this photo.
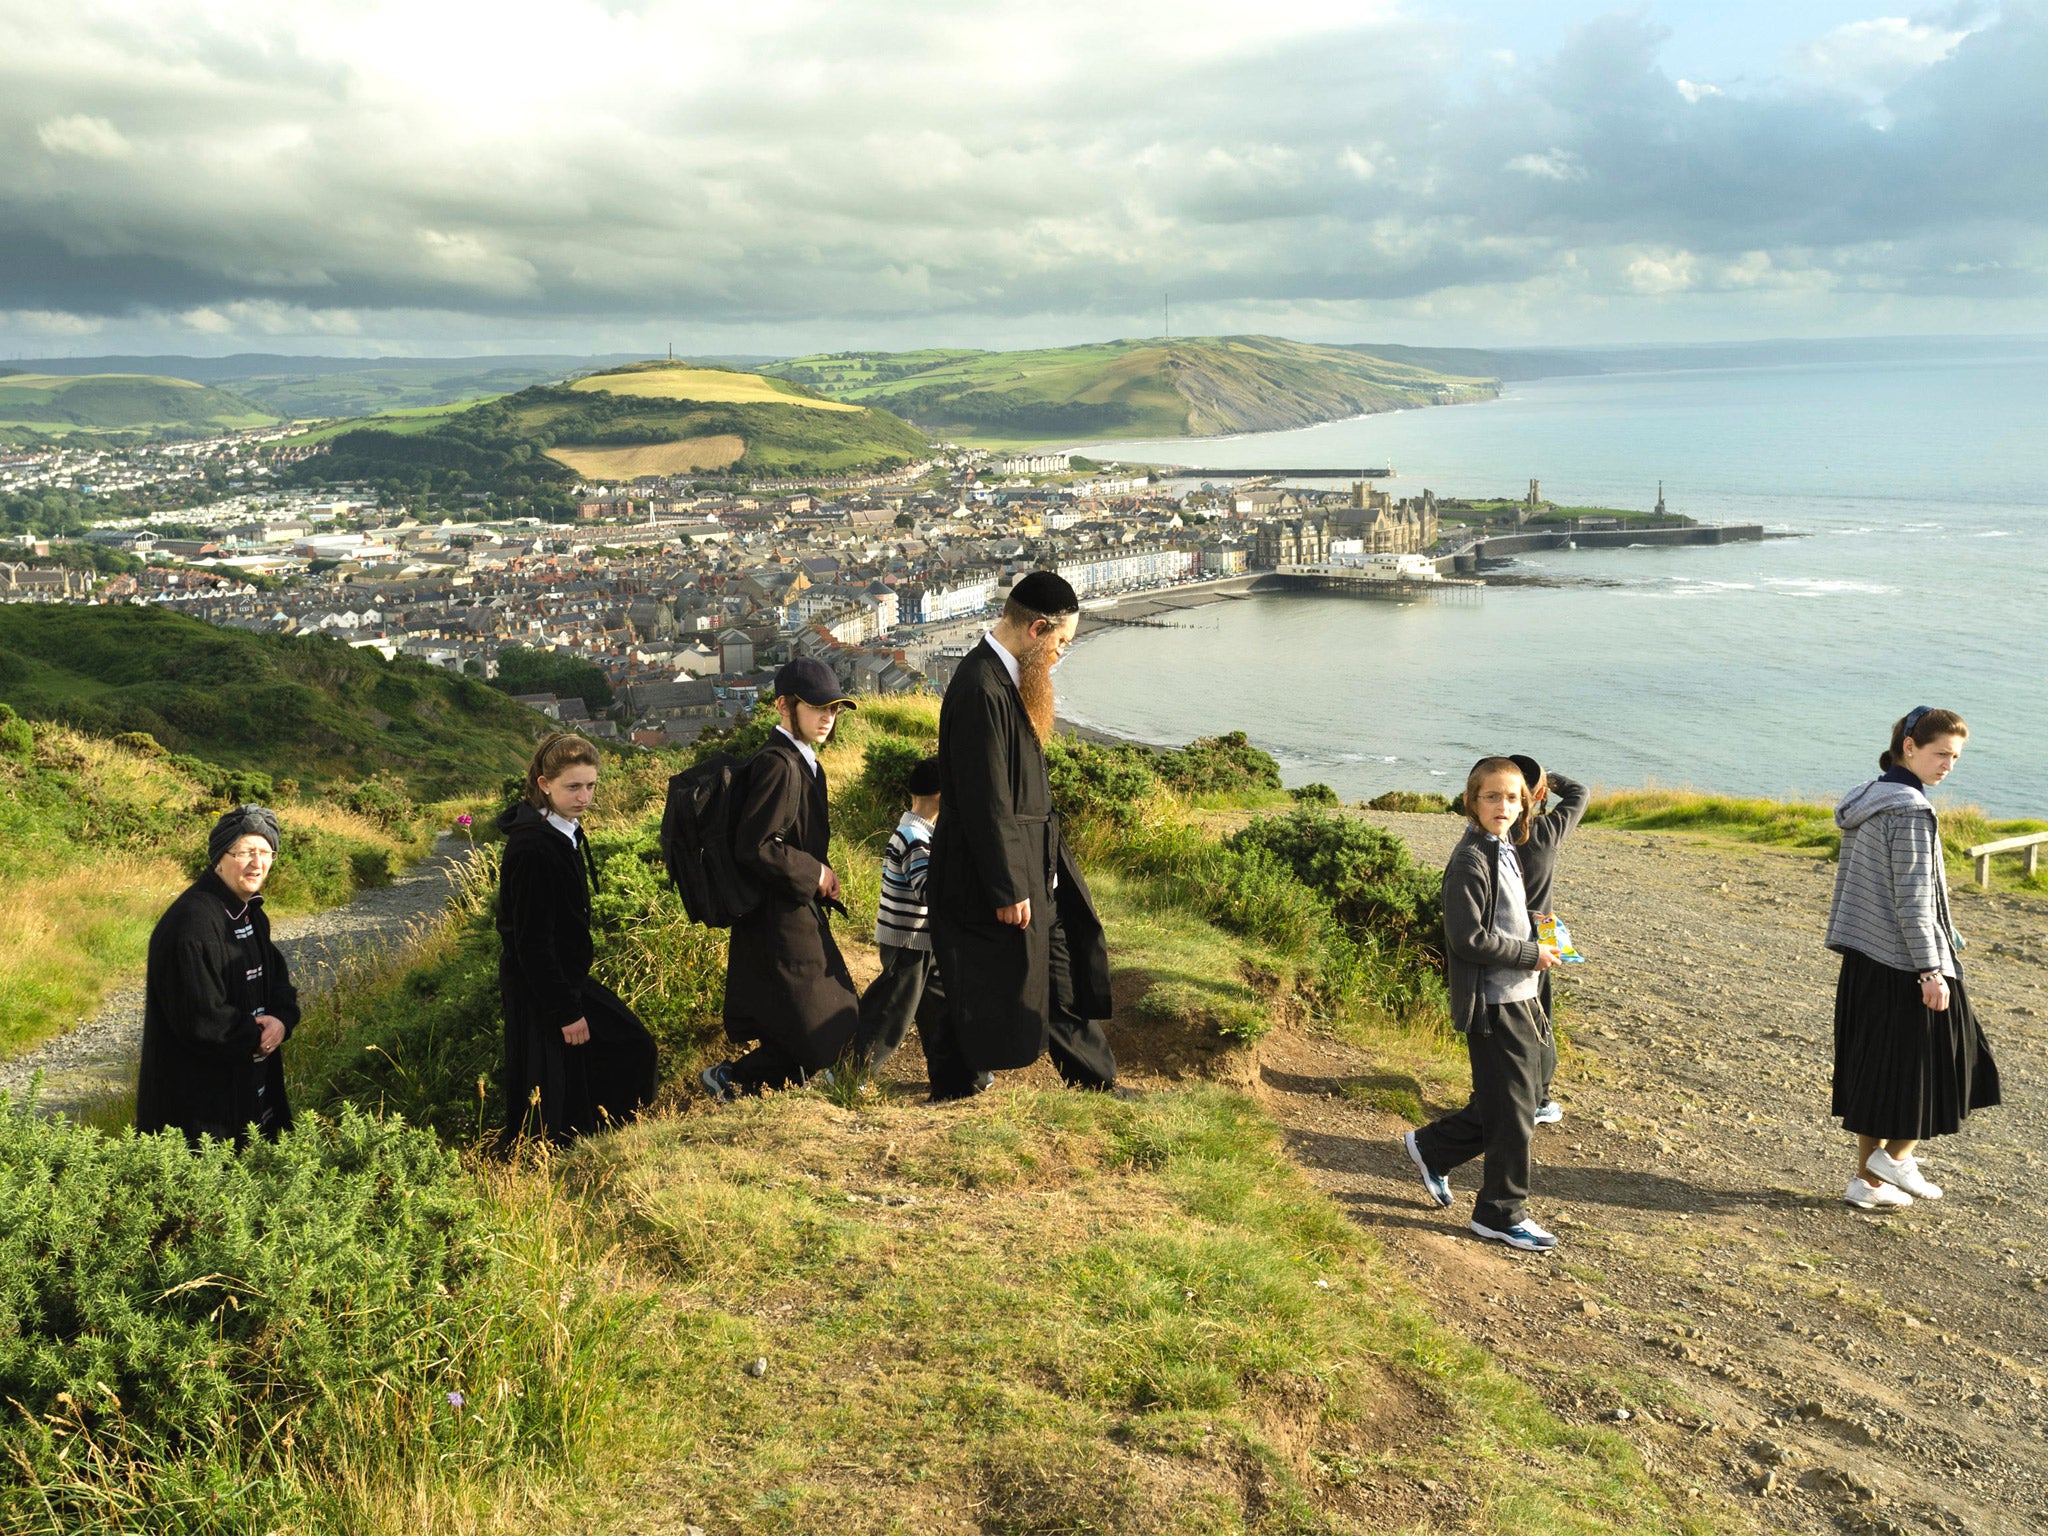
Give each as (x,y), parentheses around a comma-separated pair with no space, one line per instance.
(1891,893)
(901,918)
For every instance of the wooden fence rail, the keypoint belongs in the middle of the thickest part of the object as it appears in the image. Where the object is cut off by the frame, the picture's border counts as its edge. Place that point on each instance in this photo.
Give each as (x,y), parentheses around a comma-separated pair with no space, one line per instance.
(1982,853)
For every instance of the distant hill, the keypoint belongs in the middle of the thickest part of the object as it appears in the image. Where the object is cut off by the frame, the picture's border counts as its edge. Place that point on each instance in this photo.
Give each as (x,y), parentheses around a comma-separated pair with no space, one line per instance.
(1198,387)
(44,405)
(307,708)
(307,388)
(643,419)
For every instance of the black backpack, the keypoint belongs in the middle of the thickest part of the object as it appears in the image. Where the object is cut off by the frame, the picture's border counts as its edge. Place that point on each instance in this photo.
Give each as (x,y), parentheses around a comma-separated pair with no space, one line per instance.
(696,841)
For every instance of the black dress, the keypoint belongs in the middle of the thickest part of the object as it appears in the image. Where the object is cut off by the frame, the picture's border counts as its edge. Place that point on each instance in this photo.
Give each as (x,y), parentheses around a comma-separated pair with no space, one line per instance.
(544,888)
(1901,1070)
(212,970)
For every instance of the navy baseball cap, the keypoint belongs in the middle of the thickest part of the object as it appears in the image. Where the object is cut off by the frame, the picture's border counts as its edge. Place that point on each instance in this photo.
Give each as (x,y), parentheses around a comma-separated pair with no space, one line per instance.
(812,681)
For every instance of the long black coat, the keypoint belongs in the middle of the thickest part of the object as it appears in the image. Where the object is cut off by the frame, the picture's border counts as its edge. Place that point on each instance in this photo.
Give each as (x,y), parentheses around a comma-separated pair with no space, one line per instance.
(785,981)
(997,843)
(544,890)
(212,970)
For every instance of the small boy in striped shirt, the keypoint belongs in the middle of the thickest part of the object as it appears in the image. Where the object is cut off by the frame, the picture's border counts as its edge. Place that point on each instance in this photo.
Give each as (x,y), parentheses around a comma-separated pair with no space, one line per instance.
(909,988)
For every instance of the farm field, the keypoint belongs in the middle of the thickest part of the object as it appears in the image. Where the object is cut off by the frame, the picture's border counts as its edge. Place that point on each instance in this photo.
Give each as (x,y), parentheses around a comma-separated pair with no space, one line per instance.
(713,386)
(720,450)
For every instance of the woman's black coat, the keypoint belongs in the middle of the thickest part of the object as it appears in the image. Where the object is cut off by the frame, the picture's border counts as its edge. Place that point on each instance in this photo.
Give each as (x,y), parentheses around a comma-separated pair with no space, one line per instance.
(785,980)
(212,970)
(998,842)
(544,888)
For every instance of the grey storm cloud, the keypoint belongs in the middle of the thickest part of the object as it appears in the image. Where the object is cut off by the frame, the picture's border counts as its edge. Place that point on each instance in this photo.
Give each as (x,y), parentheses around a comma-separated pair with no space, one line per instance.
(893,161)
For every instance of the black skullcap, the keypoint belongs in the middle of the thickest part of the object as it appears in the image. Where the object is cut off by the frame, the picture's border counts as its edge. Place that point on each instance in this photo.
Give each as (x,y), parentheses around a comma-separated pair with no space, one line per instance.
(1532,771)
(924,778)
(243,821)
(1047,593)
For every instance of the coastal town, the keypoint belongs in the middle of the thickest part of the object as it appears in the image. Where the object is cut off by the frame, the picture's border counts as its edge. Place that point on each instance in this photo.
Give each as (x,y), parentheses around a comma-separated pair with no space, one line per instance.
(683,595)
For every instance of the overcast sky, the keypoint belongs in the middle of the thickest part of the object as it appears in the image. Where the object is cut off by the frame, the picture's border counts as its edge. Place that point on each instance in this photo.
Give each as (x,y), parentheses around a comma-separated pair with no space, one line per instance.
(209,176)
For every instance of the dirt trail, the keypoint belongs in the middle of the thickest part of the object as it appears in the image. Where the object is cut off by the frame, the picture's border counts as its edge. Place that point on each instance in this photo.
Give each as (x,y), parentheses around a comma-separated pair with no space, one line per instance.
(1802,1365)
(1819,1367)
(96,1061)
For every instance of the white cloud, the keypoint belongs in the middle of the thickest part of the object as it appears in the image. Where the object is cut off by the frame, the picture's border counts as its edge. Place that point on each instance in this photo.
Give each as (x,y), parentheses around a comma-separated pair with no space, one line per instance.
(1877,54)
(89,138)
(845,170)
(1664,272)
(1554,165)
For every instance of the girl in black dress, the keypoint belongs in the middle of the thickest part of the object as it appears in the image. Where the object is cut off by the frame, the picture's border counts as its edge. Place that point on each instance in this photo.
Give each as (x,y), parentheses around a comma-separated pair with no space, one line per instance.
(576,1057)
(1910,1059)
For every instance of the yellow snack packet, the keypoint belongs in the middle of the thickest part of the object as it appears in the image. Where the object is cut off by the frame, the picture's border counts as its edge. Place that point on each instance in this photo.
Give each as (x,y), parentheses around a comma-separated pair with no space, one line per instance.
(1550,929)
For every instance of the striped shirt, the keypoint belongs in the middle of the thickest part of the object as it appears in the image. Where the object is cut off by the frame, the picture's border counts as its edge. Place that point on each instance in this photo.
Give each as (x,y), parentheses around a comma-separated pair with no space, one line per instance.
(901,917)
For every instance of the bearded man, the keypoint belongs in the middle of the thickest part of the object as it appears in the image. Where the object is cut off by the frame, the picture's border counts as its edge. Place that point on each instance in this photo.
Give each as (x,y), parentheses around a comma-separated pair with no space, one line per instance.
(1013,926)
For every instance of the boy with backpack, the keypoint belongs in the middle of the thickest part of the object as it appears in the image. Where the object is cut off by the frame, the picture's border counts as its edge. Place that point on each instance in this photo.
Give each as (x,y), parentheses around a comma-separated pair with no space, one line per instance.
(787,989)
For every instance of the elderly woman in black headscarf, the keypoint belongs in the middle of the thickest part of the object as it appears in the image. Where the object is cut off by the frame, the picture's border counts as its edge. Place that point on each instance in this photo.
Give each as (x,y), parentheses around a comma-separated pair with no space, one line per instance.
(218,1002)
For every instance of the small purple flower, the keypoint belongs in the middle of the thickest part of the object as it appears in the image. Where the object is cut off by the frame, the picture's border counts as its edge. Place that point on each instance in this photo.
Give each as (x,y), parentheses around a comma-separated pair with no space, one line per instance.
(463,820)
(456,1399)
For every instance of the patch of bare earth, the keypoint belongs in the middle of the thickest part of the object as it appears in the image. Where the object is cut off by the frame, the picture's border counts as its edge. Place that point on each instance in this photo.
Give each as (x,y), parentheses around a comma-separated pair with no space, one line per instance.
(717,451)
(1827,1368)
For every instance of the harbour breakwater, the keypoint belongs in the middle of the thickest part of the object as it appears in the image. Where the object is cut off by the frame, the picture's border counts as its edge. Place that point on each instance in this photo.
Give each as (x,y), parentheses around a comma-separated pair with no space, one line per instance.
(1157,606)
(1501,545)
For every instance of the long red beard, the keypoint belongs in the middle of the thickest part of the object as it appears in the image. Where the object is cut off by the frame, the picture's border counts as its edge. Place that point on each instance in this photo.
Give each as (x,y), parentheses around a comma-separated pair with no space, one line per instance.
(1034,686)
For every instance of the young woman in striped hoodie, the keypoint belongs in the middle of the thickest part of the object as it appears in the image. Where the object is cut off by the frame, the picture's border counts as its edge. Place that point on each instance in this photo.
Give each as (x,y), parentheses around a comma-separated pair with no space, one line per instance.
(1910,1059)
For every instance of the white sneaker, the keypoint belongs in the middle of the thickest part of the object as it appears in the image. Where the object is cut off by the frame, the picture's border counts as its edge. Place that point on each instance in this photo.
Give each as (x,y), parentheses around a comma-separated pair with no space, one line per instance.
(1549,1112)
(1866,1196)
(1904,1172)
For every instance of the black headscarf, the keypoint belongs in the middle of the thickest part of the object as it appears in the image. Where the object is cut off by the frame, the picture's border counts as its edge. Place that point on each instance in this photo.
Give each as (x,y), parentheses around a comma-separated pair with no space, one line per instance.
(243,821)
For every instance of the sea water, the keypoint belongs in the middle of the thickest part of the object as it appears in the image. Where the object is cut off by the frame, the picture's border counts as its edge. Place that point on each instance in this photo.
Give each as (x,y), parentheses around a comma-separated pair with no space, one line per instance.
(1918,491)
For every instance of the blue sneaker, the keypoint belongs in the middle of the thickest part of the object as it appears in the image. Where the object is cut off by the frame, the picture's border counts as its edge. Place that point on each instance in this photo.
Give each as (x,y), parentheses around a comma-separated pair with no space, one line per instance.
(1436,1184)
(1524,1234)
(717,1081)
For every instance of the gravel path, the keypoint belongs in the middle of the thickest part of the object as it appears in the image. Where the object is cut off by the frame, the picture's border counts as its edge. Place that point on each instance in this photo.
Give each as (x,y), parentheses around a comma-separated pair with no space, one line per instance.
(96,1060)
(1791,1363)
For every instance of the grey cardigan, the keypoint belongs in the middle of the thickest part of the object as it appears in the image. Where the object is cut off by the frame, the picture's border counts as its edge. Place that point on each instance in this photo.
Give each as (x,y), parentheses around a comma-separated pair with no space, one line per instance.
(1891,892)
(1471,947)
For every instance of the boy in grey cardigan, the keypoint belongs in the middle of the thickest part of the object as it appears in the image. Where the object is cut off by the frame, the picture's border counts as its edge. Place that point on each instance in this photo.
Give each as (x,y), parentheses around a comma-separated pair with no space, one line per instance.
(1494,962)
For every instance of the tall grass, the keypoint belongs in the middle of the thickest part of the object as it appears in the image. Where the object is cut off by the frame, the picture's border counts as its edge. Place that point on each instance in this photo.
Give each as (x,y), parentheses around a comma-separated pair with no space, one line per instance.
(1804,826)
(97,836)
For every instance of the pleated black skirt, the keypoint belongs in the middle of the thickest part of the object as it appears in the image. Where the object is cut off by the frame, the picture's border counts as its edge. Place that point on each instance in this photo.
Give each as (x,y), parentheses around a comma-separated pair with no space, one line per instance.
(1900,1070)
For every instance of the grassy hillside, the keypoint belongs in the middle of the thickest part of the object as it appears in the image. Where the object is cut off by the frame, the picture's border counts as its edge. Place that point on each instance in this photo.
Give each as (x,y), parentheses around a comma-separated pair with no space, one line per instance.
(305,387)
(1038,1312)
(96,837)
(1199,387)
(310,709)
(648,418)
(40,405)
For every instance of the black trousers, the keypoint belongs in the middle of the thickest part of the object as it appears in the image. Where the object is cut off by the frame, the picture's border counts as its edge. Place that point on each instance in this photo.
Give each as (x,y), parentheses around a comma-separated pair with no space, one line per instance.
(1498,1122)
(909,991)
(1078,1047)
